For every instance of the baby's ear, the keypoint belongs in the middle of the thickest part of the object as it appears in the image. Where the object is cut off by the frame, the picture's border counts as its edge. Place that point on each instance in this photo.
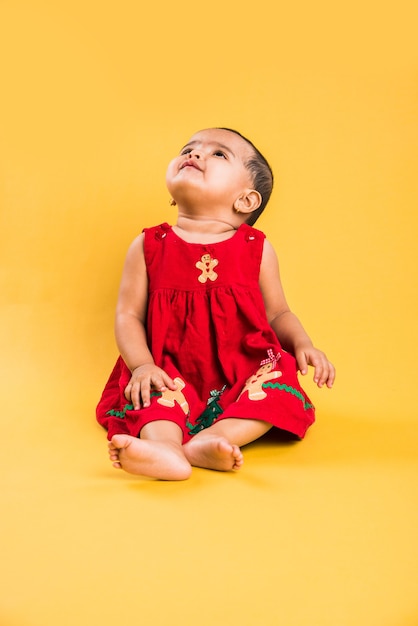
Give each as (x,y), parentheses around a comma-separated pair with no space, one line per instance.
(248,201)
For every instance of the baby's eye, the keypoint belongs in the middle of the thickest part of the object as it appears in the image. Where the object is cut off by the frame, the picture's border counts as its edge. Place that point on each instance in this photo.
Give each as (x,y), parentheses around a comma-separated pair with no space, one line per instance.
(186,151)
(219,153)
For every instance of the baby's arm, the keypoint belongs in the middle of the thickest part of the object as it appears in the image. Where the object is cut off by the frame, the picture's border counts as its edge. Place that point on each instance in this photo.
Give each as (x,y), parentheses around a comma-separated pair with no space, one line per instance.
(130,330)
(287,326)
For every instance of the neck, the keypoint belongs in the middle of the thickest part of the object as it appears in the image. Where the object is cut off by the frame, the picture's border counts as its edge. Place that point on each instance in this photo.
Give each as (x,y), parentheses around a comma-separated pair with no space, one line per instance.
(203,229)
(202,224)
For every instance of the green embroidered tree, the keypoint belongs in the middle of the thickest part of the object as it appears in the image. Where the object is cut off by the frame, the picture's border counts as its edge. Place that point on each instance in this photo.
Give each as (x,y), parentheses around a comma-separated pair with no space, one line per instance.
(210,414)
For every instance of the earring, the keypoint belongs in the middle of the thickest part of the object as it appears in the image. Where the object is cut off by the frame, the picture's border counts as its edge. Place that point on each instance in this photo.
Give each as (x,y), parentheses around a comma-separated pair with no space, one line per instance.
(236,210)
(172,202)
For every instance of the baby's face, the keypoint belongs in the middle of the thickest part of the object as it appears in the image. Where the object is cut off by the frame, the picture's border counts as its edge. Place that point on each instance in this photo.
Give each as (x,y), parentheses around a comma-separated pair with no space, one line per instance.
(211,168)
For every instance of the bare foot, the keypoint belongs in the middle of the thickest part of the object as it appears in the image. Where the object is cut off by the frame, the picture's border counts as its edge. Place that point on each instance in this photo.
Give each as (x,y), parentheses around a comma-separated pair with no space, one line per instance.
(158,459)
(213,452)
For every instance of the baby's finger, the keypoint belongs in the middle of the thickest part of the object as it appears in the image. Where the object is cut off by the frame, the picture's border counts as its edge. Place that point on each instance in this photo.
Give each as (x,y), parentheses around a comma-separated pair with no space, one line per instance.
(302,363)
(146,392)
(135,395)
(132,394)
(169,382)
(157,382)
(319,376)
(331,375)
(127,392)
(328,374)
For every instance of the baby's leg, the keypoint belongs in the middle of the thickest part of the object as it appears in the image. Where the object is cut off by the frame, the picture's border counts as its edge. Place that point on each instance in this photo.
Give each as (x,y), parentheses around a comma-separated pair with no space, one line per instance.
(218,447)
(158,453)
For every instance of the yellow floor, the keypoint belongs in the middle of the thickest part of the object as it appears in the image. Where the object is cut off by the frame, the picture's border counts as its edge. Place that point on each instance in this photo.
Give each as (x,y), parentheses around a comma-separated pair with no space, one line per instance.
(320,532)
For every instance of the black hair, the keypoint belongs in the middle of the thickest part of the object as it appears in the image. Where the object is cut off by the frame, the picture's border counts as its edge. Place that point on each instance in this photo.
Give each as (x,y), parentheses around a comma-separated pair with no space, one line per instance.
(262,176)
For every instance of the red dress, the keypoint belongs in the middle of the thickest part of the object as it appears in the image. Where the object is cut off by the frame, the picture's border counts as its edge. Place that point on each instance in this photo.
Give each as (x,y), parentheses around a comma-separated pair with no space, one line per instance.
(207,328)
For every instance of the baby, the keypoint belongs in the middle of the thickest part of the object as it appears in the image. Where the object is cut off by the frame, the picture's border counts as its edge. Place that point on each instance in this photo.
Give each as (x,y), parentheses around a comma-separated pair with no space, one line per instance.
(209,349)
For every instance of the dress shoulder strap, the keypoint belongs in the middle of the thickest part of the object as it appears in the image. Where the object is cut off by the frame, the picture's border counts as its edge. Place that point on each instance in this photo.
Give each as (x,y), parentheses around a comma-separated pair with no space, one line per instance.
(158,232)
(153,237)
(250,233)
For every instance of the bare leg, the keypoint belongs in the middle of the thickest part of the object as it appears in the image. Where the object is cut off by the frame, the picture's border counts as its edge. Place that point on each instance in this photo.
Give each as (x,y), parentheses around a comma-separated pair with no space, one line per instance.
(158,453)
(218,447)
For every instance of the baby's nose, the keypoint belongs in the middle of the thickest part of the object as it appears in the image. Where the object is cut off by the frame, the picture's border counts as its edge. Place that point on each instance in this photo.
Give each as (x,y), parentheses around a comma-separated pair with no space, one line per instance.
(195,153)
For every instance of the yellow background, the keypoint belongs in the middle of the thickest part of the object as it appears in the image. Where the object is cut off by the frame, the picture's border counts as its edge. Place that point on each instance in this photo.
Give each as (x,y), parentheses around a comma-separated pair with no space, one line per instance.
(96,98)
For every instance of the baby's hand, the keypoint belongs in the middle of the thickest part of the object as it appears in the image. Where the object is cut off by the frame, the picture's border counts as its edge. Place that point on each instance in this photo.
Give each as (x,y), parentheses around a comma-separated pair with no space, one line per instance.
(144,378)
(324,369)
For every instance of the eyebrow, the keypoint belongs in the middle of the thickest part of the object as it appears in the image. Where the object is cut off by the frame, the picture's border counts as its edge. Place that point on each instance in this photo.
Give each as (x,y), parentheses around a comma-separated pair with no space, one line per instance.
(214,143)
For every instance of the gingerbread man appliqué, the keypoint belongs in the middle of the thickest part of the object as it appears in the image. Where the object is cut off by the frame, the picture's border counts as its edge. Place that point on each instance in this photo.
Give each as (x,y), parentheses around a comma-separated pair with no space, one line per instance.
(169,397)
(265,373)
(206,265)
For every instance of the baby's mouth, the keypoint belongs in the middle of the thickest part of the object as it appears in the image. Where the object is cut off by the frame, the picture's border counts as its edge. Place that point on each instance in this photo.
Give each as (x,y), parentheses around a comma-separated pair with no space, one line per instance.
(190,163)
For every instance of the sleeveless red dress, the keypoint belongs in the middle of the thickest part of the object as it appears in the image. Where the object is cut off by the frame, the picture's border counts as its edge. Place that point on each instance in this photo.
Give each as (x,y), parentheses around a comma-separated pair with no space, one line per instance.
(207,328)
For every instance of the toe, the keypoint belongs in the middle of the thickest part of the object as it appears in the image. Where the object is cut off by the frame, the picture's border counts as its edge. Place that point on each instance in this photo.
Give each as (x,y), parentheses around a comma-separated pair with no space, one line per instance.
(120,441)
